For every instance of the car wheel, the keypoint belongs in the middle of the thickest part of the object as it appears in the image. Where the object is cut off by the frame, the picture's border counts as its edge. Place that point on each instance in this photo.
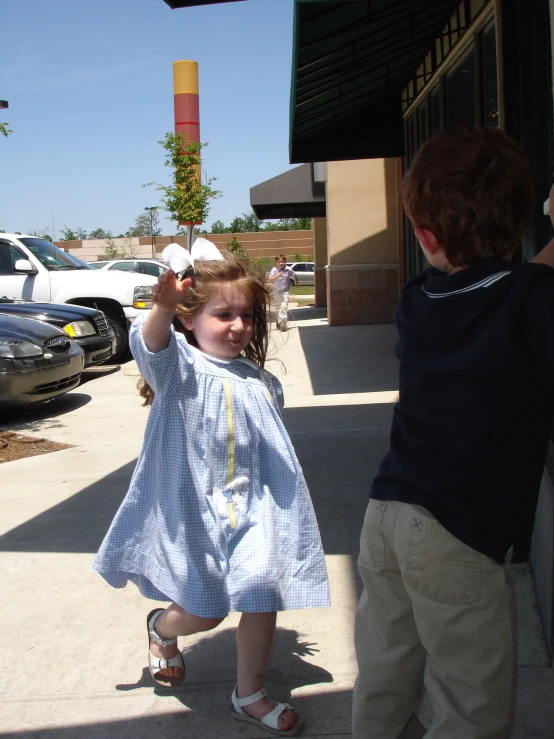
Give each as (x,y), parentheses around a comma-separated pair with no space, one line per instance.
(121,340)
(292,283)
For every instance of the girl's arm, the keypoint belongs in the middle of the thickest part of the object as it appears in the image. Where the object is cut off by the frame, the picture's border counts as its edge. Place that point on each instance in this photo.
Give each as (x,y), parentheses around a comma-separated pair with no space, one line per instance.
(166,295)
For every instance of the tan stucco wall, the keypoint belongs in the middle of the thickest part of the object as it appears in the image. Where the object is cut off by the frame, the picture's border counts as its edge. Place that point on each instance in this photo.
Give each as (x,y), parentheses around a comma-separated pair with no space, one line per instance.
(361,212)
(321,261)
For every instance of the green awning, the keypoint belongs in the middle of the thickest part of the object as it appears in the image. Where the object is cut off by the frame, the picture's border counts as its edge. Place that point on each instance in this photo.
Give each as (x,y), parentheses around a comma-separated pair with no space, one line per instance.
(174,4)
(351,60)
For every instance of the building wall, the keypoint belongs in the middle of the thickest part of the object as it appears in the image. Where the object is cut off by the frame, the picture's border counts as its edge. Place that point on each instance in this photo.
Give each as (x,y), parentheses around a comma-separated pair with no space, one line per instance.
(256,245)
(321,260)
(362,241)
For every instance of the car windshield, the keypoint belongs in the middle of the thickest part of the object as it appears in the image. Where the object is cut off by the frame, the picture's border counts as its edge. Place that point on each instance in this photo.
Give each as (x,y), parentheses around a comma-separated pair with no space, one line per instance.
(50,256)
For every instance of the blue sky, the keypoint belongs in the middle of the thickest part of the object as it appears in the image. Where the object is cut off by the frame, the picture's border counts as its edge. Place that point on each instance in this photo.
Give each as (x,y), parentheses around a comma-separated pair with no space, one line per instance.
(90,89)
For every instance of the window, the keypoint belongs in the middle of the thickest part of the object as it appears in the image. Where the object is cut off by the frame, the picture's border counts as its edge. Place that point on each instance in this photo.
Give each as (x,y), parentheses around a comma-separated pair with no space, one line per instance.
(299,268)
(435,105)
(123,266)
(50,256)
(490,76)
(150,268)
(8,257)
(460,93)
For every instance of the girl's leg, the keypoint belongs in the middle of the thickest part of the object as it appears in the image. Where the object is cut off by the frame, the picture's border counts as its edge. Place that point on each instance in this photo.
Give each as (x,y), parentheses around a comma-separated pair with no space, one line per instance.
(255,636)
(173,622)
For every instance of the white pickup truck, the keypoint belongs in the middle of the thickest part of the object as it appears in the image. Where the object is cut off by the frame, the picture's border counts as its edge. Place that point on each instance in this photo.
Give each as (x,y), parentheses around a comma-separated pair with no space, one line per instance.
(35,269)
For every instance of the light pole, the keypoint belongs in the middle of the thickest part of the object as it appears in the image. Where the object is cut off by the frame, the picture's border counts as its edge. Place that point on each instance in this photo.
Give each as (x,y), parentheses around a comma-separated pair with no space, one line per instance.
(152,209)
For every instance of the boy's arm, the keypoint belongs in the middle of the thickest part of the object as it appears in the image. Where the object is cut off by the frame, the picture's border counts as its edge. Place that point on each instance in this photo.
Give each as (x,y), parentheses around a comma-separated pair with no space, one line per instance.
(274,274)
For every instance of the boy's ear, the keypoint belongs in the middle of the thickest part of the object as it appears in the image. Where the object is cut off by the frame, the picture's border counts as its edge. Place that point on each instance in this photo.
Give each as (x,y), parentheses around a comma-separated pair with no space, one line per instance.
(187,322)
(427,240)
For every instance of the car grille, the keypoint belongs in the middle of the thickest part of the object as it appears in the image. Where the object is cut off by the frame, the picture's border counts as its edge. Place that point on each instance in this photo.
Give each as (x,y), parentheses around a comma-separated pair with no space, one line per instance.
(101,356)
(50,387)
(102,326)
(58,344)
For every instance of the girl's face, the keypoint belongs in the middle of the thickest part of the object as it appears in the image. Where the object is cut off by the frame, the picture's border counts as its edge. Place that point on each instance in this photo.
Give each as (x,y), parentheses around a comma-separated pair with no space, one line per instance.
(224,327)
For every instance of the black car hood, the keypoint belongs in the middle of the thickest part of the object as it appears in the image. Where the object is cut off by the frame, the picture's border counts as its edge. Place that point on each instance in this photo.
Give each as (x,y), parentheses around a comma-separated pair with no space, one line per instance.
(15,327)
(57,313)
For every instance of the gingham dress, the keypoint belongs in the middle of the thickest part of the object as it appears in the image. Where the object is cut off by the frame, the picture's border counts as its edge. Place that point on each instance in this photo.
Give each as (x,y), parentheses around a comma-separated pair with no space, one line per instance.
(218,517)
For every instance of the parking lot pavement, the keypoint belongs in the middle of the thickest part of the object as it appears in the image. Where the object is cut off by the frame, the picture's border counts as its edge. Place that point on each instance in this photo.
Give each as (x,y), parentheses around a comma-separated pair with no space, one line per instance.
(75,661)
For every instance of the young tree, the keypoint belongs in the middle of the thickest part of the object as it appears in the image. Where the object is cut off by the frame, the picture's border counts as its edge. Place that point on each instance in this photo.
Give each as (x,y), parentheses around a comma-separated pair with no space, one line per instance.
(128,249)
(186,198)
(111,250)
(235,247)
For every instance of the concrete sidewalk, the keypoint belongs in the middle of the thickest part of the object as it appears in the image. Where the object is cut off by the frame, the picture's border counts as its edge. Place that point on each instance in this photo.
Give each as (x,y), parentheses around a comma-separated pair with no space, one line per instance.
(74,662)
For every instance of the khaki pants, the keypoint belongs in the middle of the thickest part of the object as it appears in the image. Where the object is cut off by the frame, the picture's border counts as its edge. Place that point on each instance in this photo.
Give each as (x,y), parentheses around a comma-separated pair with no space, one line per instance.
(433,611)
(281,302)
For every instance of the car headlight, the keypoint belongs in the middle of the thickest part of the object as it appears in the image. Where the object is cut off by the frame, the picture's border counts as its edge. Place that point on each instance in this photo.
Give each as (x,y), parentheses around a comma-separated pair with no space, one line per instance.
(18,349)
(142,297)
(79,328)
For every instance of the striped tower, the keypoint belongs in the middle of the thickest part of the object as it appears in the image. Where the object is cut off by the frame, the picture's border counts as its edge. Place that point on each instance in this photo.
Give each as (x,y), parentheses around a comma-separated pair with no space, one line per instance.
(187,107)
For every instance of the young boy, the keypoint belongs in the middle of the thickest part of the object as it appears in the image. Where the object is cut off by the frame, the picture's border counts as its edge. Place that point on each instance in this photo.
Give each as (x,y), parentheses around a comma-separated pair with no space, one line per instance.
(454,500)
(280,277)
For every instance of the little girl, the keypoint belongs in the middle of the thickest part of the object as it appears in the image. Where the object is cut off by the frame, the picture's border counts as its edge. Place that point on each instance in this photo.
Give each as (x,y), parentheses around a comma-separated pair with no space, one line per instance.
(218,517)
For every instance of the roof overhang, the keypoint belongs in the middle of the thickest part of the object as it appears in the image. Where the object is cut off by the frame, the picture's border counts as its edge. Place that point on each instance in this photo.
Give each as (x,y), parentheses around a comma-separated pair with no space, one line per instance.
(292,194)
(351,60)
(174,4)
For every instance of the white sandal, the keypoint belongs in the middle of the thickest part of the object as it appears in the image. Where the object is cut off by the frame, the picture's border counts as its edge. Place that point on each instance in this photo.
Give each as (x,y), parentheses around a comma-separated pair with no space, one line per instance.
(271,720)
(159,663)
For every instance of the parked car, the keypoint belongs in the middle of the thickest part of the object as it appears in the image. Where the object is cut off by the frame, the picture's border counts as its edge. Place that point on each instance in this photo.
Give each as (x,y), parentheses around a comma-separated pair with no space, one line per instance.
(37,361)
(304,271)
(35,269)
(86,326)
(143,266)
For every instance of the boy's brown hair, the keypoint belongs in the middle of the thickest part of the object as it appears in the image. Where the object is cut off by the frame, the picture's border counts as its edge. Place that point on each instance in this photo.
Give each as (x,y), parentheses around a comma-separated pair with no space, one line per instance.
(279,257)
(471,187)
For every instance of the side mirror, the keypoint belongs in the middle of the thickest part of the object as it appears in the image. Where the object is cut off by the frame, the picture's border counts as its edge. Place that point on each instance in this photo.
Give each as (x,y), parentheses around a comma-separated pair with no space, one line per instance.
(24,265)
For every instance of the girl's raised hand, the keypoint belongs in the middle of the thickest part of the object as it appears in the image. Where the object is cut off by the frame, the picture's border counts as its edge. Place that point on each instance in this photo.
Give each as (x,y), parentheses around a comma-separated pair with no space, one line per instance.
(169,291)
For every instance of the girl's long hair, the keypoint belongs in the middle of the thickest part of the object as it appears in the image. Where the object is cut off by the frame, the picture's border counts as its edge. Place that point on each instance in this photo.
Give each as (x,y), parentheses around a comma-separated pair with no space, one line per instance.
(208,277)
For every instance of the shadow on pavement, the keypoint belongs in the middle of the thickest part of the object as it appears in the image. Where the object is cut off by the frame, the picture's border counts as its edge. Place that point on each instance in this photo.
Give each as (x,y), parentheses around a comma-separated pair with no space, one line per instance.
(40,417)
(86,515)
(350,359)
(205,697)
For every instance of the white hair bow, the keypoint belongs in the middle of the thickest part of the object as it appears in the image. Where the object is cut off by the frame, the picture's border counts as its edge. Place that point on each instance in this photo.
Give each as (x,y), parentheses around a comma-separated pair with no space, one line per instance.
(180,260)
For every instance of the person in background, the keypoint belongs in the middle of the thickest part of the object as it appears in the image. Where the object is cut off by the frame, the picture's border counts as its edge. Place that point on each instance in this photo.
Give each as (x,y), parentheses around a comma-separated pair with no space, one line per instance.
(280,277)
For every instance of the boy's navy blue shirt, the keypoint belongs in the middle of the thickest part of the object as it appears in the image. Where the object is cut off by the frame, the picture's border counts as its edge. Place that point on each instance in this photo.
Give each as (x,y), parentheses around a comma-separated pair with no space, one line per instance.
(471,428)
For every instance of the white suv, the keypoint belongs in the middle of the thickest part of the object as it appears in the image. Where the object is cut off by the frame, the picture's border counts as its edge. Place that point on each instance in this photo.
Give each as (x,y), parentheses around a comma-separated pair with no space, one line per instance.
(142,266)
(304,271)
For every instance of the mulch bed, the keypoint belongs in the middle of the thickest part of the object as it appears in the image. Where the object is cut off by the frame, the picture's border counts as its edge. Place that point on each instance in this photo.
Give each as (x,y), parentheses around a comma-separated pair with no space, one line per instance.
(18,446)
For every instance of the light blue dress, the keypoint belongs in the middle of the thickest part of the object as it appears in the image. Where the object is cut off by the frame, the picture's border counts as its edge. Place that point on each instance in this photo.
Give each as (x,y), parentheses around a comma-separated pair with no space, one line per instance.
(218,517)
